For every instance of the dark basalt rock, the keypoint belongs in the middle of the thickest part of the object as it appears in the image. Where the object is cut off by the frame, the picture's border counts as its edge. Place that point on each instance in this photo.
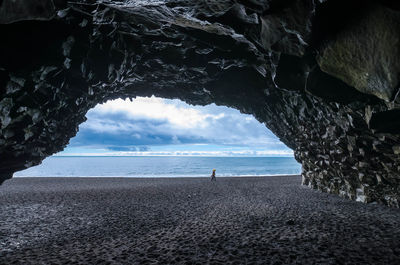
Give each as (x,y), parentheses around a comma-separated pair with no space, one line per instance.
(322,75)
(366,54)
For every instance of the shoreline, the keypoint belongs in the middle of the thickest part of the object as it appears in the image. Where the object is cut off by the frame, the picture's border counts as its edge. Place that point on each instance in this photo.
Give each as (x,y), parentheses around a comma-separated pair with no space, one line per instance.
(164,177)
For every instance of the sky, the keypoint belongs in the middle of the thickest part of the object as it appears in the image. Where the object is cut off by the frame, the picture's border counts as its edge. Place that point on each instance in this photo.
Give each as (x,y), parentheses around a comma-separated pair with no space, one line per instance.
(161,127)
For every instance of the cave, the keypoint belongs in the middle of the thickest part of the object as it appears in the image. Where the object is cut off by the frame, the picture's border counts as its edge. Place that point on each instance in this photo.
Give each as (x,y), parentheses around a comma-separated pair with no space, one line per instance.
(323,76)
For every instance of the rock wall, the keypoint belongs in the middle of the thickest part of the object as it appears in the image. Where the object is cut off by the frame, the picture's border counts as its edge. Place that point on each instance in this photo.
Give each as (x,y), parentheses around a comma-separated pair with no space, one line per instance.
(322,75)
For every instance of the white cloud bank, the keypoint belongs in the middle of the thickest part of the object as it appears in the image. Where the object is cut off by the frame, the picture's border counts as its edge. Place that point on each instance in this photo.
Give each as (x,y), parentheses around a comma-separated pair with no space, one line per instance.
(159,109)
(189,153)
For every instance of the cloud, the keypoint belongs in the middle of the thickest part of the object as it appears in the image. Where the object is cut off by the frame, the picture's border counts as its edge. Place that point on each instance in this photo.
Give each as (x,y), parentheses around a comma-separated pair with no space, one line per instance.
(128,148)
(158,109)
(127,126)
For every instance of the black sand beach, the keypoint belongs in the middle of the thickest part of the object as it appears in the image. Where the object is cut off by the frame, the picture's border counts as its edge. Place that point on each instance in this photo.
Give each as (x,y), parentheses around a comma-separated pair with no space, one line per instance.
(262,220)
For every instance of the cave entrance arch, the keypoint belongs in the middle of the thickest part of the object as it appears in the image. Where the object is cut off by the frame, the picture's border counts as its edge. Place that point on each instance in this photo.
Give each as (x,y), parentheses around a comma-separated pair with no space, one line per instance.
(154,137)
(284,63)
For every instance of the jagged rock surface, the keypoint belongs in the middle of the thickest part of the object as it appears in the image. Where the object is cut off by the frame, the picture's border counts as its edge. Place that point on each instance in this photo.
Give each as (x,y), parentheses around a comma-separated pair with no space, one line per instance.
(322,75)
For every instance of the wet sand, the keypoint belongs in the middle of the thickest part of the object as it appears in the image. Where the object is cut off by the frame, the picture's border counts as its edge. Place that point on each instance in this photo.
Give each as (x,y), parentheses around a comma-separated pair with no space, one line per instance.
(252,220)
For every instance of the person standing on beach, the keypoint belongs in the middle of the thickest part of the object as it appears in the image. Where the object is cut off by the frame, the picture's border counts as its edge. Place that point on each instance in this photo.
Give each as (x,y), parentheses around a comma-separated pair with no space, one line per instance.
(213,178)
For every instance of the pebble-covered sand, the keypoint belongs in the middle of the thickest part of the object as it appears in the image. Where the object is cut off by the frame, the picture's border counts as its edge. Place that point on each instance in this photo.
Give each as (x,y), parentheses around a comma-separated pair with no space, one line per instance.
(260,220)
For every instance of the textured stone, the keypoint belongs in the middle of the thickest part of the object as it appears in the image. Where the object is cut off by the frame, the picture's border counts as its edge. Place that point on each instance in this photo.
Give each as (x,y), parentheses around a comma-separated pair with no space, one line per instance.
(13,11)
(366,54)
(297,66)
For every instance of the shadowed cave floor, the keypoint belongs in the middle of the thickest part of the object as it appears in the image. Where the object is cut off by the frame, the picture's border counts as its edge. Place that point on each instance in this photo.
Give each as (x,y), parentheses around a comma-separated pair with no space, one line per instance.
(263,220)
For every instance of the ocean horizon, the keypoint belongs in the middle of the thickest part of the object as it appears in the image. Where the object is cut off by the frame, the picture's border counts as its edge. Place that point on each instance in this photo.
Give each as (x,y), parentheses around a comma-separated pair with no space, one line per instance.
(161,166)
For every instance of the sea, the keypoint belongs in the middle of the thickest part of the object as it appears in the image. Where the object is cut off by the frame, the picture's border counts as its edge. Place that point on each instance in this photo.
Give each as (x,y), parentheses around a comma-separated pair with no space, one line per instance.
(161,166)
